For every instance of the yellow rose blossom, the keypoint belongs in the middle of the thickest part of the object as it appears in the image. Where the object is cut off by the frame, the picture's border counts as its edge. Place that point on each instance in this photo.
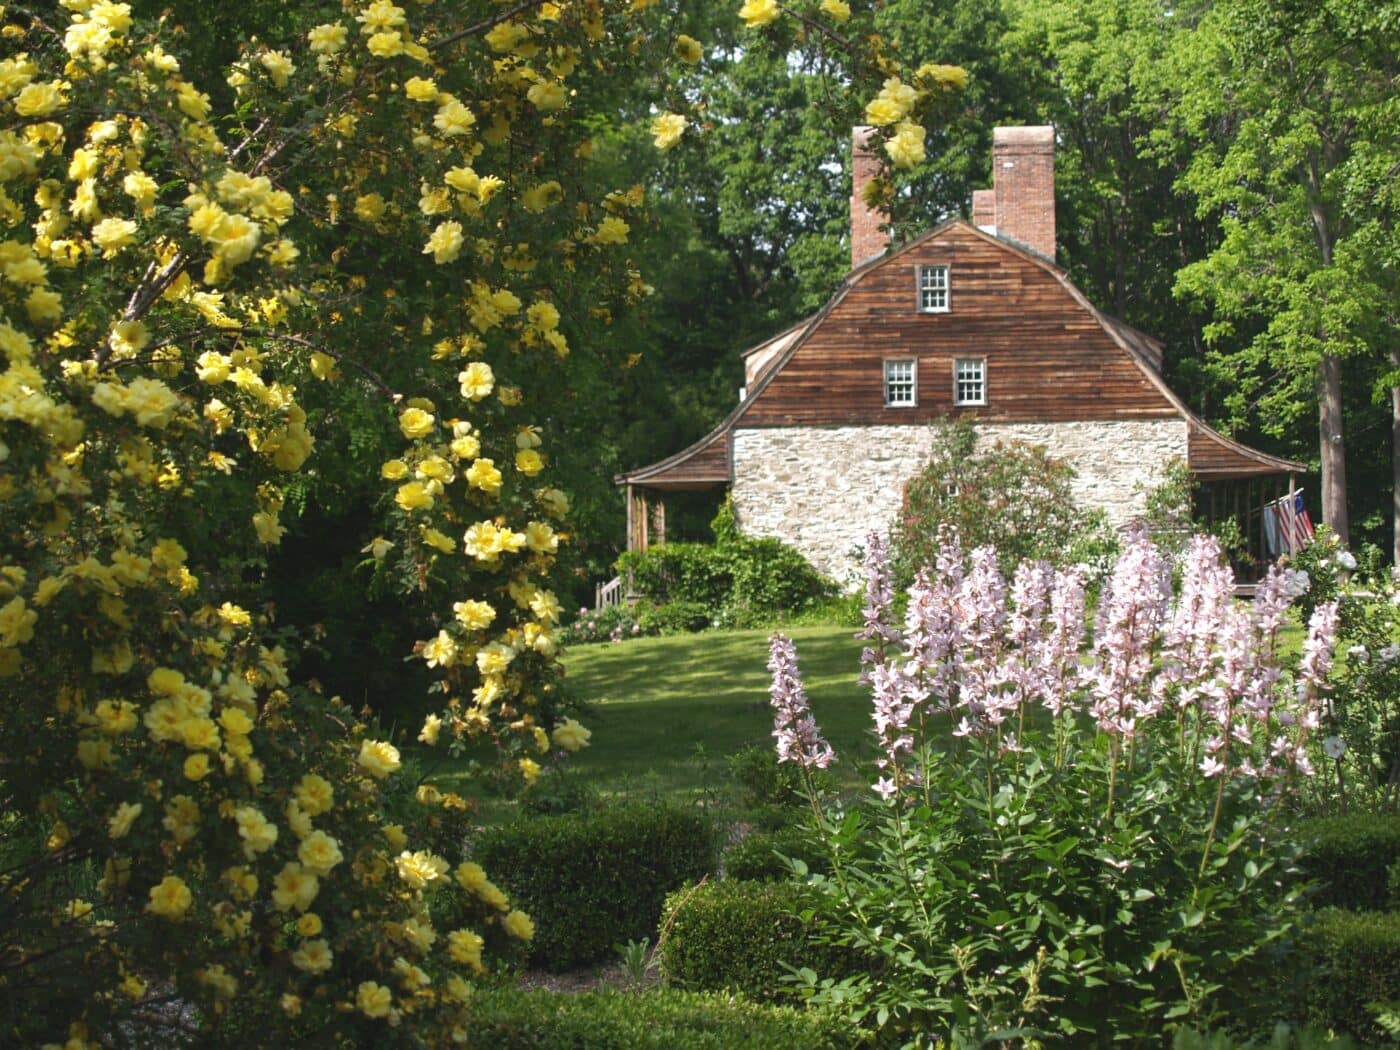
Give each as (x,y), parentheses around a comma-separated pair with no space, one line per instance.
(464,947)
(906,149)
(413,496)
(170,898)
(319,853)
(445,244)
(470,876)
(309,925)
(279,67)
(385,45)
(257,832)
(115,717)
(420,870)
(477,381)
(394,470)
(688,49)
(570,735)
(529,462)
(112,235)
(196,767)
(484,475)
(421,89)
(549,95)
(438,540)
(419,933)
(473,615)
(373,999)
(758,13)
(492,896)
(667,129)
(494,658)
(440,651)
(541,538)
(378,758)
(518,925)
(294,887)
(313,956)
(415,423)
(38,100)
(327,39)
(839,10)
(120,822)
(611,230)
(452,118)
(432,726)
(314,794)
(370,207)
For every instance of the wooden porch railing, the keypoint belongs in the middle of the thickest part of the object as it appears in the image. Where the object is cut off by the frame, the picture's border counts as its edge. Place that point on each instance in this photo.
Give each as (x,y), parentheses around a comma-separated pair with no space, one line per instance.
(606,594)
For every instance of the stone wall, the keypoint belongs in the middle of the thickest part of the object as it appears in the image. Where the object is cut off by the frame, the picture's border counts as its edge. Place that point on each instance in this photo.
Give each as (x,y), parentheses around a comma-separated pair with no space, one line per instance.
(822,489)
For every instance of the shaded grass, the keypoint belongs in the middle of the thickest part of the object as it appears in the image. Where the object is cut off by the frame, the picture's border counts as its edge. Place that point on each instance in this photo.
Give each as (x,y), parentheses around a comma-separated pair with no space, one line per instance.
(667,712)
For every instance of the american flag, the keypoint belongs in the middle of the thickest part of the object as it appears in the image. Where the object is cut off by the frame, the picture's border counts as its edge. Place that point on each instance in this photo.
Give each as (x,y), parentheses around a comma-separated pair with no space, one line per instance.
(1294,526)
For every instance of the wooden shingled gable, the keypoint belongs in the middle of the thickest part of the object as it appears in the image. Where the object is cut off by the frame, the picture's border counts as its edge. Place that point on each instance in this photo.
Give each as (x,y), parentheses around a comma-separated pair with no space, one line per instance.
(1051,356)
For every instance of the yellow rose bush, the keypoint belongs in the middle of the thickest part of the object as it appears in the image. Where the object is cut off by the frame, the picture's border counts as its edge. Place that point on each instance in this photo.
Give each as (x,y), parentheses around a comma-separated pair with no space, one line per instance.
(190,298)
(208,278)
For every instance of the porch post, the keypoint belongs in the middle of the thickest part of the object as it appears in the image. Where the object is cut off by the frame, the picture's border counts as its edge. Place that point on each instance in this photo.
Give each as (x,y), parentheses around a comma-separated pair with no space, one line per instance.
(631,526)
(658,518)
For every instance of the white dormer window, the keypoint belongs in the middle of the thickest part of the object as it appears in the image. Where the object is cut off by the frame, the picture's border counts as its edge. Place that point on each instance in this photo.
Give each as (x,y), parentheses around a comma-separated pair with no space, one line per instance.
(933,289)
(970,381)
(900,383)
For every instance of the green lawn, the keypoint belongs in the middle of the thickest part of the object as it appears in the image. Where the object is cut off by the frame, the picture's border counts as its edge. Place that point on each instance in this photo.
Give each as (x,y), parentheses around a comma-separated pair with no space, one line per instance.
(656,701)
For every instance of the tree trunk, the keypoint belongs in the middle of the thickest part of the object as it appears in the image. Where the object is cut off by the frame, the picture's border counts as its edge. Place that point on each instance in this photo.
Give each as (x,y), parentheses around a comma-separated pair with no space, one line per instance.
(1333,447)
(1395,462)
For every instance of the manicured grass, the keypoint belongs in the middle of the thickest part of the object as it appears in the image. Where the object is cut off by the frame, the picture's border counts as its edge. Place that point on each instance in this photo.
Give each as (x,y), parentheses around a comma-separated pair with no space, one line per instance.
(655,701)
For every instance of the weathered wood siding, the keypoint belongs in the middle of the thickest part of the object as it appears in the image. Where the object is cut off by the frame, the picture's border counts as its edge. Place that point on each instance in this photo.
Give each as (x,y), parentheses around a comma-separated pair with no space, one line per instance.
(1048,358)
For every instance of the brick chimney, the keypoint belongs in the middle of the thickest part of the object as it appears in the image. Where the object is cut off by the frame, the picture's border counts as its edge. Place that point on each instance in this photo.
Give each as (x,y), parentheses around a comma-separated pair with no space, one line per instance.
(1023,182)
(867,239)
(984,210)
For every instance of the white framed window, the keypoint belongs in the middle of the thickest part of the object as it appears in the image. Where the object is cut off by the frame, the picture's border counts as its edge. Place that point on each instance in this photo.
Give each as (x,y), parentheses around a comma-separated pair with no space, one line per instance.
(933,289)
(900,382)
(970,381)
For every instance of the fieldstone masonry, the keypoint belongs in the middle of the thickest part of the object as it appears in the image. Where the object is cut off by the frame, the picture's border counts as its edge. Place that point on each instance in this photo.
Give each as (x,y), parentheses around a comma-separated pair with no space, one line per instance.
(822,489)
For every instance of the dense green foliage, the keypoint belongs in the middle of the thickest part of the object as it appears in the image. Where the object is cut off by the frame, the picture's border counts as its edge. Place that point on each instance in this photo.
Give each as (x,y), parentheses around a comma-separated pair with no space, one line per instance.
(1350,857)
(740,579)
(593,880)
(766,855)
(738,936)
(657,1020)
(1012,496)
(1356,957)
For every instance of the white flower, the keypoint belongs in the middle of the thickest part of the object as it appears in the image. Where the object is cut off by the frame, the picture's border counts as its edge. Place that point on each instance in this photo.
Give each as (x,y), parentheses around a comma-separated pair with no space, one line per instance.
(1358,654)
(1334,747)
(1298,584)
(1346,560)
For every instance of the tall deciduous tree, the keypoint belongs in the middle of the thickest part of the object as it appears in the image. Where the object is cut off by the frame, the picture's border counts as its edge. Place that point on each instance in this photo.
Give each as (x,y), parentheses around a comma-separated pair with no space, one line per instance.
(1275,100)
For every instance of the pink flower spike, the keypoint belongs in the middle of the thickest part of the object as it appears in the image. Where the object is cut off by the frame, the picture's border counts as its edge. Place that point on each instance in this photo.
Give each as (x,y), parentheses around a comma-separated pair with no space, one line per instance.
(799,739)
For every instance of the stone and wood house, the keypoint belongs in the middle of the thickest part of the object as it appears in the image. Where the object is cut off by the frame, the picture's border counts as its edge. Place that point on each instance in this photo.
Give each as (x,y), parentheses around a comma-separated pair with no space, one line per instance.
(967,318)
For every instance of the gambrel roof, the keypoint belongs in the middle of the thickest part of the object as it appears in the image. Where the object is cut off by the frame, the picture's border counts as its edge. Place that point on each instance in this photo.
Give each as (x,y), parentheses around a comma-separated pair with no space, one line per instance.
(1052,356)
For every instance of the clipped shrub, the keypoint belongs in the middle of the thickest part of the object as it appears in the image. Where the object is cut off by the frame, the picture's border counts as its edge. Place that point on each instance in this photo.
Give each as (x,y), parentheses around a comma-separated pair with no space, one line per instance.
(739,580)
(673,617)
(762,780)
(759,857)
(736,936)
(664,1019)
(1355,963)
(1284,1036)
(1350,856)
(593,880)
(679,572)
